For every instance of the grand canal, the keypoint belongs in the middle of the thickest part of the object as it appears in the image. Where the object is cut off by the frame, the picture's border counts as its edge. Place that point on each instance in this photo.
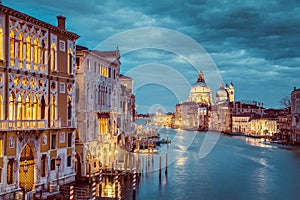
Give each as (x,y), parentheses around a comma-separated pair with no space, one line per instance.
(235,168)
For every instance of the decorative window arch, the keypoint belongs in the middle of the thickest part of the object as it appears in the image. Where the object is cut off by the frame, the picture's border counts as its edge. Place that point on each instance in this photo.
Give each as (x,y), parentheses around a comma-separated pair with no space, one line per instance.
(20,49)
(12,106)
(36,52)
(28,108)
(69,107)
(20,107)
(28,52)
(12,47)
(36,108)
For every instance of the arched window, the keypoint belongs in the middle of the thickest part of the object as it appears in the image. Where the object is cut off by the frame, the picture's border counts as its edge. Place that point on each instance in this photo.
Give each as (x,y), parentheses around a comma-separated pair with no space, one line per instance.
(28,108)
(36,110)
(12,107)
(70,61)
(43,53)
(36,53)
(28,52)
(69,107)
(20,50)
(1,44)
(12,49)
(53,57)
(20,107)
(53,108)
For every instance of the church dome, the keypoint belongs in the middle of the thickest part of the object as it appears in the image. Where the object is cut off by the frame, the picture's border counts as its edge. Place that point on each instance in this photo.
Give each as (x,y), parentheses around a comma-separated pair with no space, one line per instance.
(222,94)
(200,92)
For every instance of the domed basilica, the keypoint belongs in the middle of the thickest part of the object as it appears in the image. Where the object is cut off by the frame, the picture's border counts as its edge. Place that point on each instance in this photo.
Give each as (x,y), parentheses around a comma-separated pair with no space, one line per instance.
(200,92)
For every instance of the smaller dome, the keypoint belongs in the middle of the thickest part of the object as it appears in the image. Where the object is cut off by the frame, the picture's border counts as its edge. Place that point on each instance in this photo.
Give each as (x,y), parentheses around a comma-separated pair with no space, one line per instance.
(222,94)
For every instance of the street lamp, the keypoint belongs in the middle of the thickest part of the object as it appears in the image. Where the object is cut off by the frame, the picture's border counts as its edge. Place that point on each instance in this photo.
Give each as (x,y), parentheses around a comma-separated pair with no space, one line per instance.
(58,161)
(25,171)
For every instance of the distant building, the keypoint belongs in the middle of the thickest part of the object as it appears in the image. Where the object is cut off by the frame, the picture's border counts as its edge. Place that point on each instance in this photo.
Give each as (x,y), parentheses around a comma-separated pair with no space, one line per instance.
(162,119)
(37,104)
(241,123)
(187,116)
(295,114)
(263,127)
(220,119)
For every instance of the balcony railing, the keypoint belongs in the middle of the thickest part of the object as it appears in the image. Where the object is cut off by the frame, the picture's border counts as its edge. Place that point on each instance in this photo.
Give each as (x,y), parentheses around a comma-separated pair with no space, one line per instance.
(72,123)
(55,123)
(23,124)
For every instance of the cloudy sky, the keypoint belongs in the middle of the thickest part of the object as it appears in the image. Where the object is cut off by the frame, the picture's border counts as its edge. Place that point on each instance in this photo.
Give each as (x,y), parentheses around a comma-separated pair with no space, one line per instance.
(254,44)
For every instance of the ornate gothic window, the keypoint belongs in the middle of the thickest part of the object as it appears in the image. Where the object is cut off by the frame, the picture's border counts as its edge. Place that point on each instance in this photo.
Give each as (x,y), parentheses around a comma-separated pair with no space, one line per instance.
(1,107)
(20,50)
(43,106)
(20,107)
(36,54)
(28,108)
(36,109)
(12,49)
(12,106)
(28,52)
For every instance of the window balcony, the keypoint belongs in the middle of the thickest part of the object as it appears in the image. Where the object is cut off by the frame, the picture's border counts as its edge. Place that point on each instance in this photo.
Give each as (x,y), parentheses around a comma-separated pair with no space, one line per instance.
(6,125)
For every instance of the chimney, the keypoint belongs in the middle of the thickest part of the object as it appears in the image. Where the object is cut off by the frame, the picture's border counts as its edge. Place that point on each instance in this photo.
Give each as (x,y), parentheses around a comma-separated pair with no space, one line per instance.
(61,22)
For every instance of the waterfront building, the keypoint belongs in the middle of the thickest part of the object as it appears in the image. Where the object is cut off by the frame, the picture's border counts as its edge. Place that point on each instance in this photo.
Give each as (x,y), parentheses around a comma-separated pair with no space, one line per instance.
(220,112)
(295,114)
(187,116)
(254,109)
(263,127)
(98,103)
(127,105)
(162,119)
(241,123)
(37,104)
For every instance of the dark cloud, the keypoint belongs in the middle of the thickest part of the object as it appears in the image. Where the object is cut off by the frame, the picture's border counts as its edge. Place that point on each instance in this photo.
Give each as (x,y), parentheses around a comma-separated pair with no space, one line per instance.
(255,44)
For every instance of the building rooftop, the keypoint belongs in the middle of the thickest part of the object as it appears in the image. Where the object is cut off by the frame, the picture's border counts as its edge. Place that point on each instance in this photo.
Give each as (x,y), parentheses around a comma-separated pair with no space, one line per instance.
(17,14)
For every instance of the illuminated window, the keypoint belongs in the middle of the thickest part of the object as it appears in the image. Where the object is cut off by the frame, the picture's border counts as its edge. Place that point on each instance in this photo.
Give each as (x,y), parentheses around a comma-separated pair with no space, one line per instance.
(20,50)
(12,107)
(36,51)
(70,62)
(1,147)
(10,171)
(20,107)
(1,44)
(1,107)
(12,48)
(53,108)
(36,110)
(28,108)
(53,57)
(43,53)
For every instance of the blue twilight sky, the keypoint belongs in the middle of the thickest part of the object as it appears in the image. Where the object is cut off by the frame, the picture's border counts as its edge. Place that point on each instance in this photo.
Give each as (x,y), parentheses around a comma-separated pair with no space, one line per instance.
(254,44)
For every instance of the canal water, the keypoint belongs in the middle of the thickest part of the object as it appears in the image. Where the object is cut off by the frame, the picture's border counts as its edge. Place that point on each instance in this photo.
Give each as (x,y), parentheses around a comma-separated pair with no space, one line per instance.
(226,168)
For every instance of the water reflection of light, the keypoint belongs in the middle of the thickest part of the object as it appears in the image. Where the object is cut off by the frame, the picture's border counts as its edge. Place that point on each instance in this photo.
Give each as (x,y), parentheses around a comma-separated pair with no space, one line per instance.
(259,142)
(181,161)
